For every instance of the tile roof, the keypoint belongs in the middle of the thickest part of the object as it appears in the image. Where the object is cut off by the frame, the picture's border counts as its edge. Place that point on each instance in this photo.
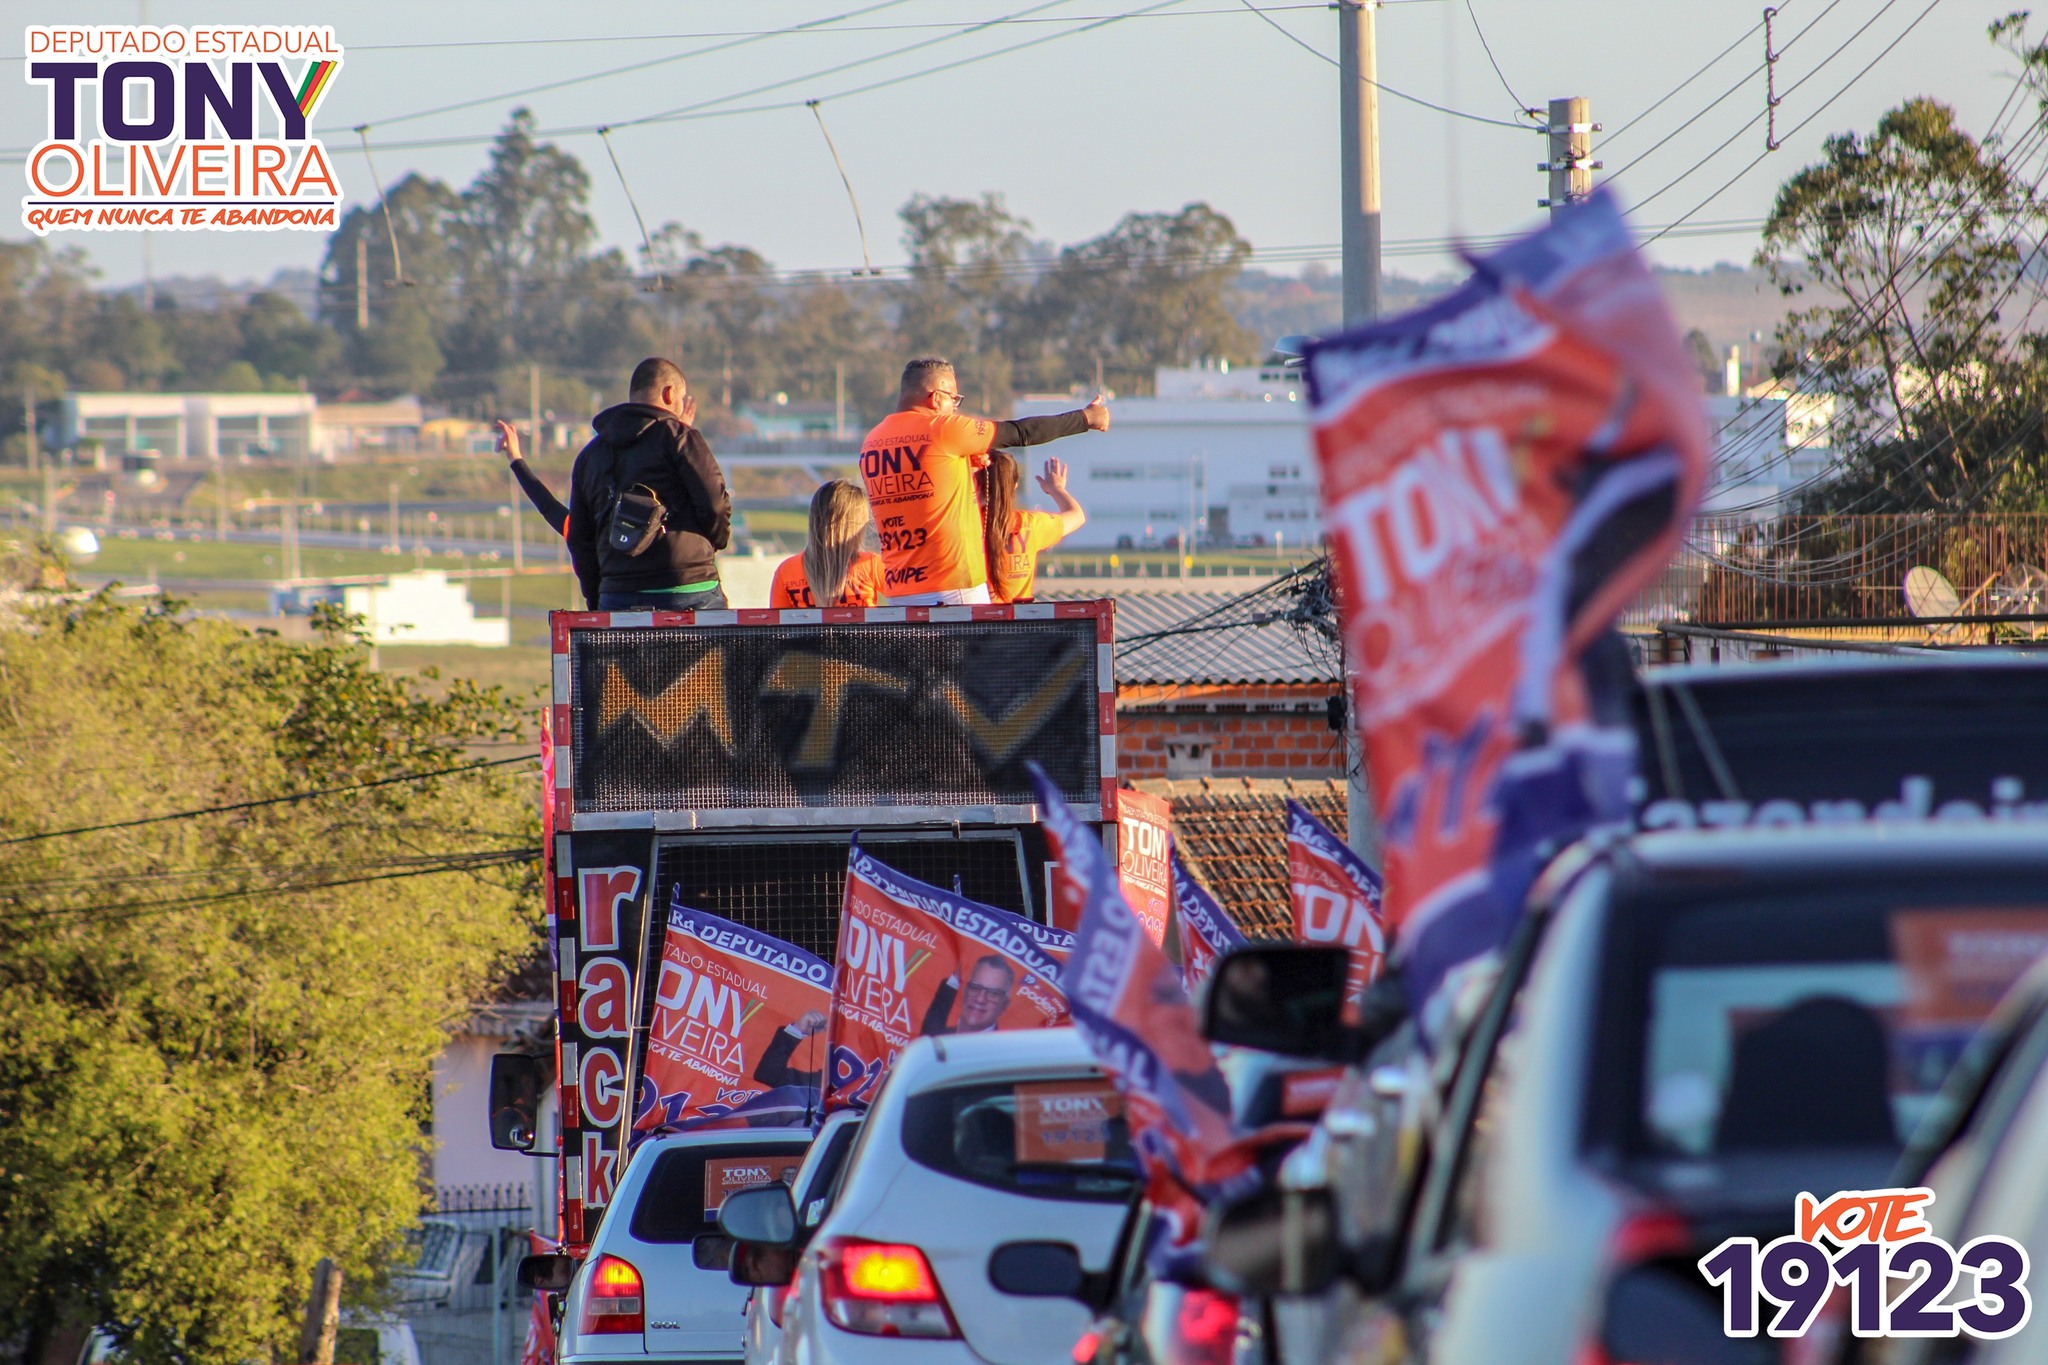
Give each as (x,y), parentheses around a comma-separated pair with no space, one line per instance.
(1233,836)
(1220,637)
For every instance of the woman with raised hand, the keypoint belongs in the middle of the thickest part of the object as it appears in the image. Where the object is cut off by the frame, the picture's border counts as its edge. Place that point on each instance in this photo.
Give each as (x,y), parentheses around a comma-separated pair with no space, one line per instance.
(1015,535)
(539,494)
(833,570)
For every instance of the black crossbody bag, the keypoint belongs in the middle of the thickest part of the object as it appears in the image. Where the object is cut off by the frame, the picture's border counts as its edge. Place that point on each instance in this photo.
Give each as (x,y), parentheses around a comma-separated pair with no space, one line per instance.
(636,517)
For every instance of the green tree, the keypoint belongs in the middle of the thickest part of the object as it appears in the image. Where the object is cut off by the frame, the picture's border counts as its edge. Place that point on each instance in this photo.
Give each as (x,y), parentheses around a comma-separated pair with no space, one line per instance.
(1154,290)
(1924,237)
(400,351)
(220,1027)
(970,271)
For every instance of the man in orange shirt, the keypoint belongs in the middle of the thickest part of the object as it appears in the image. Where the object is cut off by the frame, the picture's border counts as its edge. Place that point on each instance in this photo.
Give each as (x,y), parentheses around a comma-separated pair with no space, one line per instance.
(918,464)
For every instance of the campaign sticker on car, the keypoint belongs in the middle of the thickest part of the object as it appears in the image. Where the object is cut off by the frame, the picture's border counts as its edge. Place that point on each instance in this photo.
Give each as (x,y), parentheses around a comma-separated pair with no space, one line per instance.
(1062,1122)
(730,1175)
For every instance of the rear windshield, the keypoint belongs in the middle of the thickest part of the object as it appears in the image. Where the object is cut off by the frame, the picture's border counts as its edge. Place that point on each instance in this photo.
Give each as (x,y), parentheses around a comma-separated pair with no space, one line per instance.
(681,1198)
(1054,1139)
(1821,1020)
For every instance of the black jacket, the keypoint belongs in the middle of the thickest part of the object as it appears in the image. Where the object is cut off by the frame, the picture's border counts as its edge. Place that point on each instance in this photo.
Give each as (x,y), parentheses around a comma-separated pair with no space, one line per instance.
(637,443)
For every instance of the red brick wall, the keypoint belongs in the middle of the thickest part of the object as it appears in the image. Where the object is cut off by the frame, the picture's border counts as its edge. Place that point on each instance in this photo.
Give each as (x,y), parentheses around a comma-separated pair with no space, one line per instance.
(1239,744)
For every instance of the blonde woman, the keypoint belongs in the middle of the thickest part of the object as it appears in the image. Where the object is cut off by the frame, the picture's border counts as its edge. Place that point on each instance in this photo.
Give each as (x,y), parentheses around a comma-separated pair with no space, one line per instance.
(833,561)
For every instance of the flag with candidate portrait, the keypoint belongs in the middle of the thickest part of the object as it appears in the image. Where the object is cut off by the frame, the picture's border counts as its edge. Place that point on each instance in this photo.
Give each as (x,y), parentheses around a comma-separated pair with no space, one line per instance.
(916,960)
(1501,471)
(1206,932)
(738,1014)
(1335,896)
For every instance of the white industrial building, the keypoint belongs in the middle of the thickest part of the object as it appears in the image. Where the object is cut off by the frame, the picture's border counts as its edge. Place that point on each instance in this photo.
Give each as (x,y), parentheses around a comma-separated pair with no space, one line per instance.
(1220,453)
(192,426)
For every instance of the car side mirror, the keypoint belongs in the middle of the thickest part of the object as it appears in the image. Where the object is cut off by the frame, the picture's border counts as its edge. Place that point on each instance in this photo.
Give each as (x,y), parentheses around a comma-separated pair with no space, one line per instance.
(1280,997)
(1045,1270)
(753,1263)
(549,1273)
(516,1086)
(764,1214)
(712,1251)
(1273,1242)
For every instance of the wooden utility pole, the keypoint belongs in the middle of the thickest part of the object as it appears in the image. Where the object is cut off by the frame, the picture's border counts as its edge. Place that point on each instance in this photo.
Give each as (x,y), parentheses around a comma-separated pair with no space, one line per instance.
(1359,181)
(323,1315)
(28,426)
(1571,164)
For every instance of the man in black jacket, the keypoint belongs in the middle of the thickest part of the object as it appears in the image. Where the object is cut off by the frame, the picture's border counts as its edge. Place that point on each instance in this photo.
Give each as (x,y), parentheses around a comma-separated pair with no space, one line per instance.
(650,443)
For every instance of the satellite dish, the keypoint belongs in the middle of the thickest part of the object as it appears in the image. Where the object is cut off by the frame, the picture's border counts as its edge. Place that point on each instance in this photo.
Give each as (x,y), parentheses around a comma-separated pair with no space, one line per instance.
(1929,594)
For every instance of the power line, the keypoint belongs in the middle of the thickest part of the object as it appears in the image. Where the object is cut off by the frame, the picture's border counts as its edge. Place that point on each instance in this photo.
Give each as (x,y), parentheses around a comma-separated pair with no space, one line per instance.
(1520,103)
(113,910)
(1380,86)
(267,801)
(1673,92)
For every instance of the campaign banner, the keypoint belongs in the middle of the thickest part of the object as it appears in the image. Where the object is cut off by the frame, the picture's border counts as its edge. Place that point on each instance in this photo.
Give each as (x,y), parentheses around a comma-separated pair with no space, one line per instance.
(919,961)
(1144,825)
(1129,1005)
(1206,932)
(1336,897)
(1501,471)
(737,1014)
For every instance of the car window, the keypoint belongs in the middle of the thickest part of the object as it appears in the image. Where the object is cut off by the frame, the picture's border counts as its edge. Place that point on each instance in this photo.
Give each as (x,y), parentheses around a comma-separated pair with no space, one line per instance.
(823,1186)
(687,1185)
(1051,1139)
(1819,1017)
(1461,1225)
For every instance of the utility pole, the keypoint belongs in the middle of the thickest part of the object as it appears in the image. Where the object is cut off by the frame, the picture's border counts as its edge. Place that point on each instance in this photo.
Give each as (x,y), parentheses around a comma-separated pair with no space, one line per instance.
(838,400)
(1359,105)
(1571,165)
(28,426)
(362,282)
(394,518)
(533,403)
(1359,181)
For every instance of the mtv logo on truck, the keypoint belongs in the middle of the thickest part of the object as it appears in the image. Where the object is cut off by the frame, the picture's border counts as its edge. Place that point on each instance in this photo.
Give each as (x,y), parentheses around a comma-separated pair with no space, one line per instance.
(708,774)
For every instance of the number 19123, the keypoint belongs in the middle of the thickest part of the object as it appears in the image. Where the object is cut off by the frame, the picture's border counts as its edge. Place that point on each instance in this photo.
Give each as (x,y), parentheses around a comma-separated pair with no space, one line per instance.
(1797,1275)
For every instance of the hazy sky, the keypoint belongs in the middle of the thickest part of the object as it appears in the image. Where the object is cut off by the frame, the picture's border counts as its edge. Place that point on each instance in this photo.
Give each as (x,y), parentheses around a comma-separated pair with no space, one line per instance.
(1191,100)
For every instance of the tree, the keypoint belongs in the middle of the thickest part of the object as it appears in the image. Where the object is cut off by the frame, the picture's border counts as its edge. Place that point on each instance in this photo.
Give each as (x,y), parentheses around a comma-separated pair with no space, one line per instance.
(1926,235)
(220,1027)
(400,351)
(970,263)
(1154,290)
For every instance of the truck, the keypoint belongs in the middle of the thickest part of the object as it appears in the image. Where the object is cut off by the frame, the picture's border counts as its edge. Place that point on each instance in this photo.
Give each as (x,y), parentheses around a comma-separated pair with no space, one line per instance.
(727,759)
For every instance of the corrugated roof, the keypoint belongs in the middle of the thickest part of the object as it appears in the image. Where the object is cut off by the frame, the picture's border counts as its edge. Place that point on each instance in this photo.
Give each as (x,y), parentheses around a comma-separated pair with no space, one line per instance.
(1232,834)
(1211,637)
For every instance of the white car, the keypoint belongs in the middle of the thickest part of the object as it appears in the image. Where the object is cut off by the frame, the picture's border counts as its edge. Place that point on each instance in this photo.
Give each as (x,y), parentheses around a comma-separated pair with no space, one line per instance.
(816,1183)
(654,1285)
(982,1151)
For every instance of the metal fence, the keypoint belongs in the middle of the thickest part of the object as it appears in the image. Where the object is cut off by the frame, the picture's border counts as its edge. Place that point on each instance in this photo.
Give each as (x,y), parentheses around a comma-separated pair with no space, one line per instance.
(1848,571)
(462,1294)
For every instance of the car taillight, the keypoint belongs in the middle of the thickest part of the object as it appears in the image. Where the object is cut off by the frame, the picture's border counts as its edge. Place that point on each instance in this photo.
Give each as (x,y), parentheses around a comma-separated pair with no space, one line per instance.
(882,1289)
(616,1301)
(1204,1329)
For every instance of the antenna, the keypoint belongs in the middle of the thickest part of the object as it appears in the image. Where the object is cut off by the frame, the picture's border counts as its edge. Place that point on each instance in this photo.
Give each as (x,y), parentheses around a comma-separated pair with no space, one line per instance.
(867,261)
(1928,593)
(660,280)
(362,130)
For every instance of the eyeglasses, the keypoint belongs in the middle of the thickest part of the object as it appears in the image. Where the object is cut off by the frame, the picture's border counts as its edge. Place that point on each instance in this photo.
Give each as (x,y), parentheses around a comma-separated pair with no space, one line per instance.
(941,393)
(985,992)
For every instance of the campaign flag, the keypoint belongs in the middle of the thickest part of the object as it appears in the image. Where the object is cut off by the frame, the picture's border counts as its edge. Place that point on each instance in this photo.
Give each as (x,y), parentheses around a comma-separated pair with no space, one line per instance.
(1501,471)
(1336,897)
(1144,824)
(916,960)
(1206,932)
(737,1014)
(1129,1005)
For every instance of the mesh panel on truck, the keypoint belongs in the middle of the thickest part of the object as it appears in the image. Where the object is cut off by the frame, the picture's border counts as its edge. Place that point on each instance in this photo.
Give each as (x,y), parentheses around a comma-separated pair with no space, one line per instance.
(863,715)
(791,887)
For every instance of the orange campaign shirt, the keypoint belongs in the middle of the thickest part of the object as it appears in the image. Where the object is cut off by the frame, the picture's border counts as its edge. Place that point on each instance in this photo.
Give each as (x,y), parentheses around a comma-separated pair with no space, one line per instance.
(1015,571)
(863,583)
(919,470)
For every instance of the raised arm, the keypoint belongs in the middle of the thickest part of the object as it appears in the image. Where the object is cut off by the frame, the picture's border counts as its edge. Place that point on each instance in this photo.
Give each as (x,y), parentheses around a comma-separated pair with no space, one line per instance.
(538,493)
(1054,481)
(1036,431)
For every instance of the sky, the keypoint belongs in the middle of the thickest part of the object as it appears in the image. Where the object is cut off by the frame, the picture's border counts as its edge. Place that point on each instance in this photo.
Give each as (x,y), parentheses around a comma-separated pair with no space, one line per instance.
(1188,100)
